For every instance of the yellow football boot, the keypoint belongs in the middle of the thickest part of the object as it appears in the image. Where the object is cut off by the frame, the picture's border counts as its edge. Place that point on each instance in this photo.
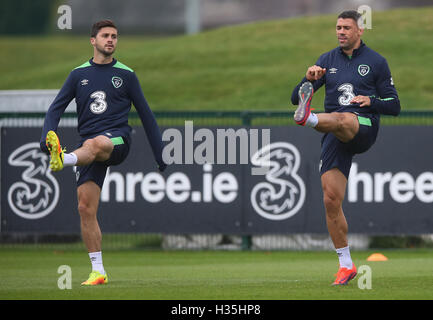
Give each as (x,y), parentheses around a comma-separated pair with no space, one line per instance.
(95,278)
(56,152)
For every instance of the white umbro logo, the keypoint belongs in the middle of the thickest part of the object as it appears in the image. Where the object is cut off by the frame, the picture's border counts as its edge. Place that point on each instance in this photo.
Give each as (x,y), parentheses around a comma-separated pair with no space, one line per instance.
(84,82)
(333,70)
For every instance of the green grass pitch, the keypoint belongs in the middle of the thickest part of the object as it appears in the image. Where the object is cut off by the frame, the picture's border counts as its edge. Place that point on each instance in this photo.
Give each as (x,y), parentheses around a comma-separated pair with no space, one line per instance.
(214,275)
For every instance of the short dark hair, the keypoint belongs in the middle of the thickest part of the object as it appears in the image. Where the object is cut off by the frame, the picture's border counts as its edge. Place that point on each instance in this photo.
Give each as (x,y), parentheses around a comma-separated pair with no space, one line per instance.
(101,24)
(350,14)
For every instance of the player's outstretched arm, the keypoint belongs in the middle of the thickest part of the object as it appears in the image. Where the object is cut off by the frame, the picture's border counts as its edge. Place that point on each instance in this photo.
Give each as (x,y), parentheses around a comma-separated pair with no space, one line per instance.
(149,122)
(57,108)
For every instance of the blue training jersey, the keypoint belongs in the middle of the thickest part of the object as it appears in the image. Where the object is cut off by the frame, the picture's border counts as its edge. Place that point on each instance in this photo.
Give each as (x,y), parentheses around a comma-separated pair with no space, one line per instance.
(365,73)
(103,94)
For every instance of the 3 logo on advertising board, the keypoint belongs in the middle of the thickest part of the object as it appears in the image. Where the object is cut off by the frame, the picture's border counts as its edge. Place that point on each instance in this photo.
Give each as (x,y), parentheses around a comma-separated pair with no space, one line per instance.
(37,193)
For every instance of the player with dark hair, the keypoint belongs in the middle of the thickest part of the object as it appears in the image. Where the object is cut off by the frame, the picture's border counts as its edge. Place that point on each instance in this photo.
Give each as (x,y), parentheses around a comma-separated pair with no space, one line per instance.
(103,89)
(359,88)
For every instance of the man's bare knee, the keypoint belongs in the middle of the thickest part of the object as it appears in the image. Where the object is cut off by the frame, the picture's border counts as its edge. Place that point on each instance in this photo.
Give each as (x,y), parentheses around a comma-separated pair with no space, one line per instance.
(100,144)
(100,147)
(88,200)
(91,148)
(332,202)
(85,208)
(333,186)
(347,126)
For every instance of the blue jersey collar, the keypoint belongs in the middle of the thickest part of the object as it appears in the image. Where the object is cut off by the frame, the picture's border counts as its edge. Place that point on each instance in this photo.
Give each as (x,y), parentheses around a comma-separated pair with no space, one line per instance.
(112,63)
(356,52)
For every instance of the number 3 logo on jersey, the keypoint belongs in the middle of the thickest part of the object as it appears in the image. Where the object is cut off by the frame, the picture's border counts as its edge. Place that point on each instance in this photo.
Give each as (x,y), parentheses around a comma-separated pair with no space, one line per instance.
(99,105)
(347,95)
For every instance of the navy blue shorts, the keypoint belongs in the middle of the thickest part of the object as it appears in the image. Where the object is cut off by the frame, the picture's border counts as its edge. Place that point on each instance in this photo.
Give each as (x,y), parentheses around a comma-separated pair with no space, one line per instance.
(337,154)
(96,171)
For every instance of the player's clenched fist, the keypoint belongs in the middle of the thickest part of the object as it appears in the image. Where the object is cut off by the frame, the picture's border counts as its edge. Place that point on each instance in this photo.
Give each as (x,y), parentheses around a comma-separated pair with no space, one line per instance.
(315,73)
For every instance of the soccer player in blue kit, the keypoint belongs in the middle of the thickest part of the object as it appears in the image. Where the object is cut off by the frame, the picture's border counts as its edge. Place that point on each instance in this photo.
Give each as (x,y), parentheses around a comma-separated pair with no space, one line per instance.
(359,88)
(103,89)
